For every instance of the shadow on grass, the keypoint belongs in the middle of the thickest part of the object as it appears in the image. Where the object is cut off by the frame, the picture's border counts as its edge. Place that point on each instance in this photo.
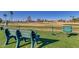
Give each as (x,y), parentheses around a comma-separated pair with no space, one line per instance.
(45,42)
(12,42)
(20,43)
(54,34)
(25,44)
(72,34)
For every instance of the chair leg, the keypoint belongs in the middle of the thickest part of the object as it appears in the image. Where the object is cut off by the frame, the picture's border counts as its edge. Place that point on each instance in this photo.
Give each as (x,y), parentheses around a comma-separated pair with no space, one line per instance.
(18,43)
(7,41)
(24,39)
(15,38)
(37,38)
(32,43)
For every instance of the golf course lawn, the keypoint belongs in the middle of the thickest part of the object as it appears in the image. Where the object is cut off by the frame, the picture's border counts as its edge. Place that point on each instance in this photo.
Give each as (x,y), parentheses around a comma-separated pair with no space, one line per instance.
(48,39)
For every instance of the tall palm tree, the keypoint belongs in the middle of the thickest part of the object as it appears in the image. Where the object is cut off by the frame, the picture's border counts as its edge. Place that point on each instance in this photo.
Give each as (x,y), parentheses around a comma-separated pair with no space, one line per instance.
(73,18)
(5,16)
(29,19)
(11,15)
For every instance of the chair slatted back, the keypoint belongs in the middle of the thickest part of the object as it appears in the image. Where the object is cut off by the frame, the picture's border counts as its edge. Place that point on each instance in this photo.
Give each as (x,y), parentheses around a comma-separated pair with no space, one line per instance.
(26,33)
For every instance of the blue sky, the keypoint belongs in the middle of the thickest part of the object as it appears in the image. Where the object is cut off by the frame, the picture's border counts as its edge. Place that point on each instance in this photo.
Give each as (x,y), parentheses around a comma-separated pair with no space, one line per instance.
(50,15)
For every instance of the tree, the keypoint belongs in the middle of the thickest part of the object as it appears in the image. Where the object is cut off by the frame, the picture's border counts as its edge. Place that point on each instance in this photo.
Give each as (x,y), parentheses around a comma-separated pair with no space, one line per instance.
(61,20)
(1,20)
(46,20)
(29,19)
(11,15)
(0,24)
(38,20)
(73,18)
(5,16)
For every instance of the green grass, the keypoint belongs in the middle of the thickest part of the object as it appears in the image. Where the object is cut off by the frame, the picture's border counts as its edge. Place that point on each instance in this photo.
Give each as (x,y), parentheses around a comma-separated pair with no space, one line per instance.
(53,40)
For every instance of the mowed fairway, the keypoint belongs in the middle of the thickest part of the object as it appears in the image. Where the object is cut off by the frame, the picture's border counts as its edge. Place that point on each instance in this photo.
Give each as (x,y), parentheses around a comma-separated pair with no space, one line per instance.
(49,39)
